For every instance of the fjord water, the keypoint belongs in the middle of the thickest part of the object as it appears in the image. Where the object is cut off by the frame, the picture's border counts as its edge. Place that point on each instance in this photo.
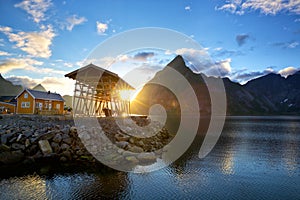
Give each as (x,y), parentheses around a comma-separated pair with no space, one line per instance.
(255,158)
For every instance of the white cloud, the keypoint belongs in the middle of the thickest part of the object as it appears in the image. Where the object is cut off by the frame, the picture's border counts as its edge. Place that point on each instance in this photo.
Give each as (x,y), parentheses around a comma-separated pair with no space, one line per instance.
(61,85)
(36,44)
(73,21)
(18,63)
(101,28)
(35,8)
(27,64)
(3,53)
(224,66)
(5,29)
(288,71)
(199,61)
(293,45)
(187,8)
(267,7)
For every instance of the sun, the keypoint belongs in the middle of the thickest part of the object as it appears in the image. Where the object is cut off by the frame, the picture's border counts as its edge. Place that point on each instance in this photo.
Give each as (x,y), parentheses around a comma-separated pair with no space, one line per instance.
(125,94)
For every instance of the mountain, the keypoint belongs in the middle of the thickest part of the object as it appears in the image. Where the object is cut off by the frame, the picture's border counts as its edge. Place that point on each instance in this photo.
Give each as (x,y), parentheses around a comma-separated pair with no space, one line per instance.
(40,88)
(271,94)
(9,89)
(68,100)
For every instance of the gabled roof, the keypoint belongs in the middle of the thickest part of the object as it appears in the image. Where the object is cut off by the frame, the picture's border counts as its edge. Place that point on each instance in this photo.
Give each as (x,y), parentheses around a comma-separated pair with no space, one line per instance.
(7,98)
(43,95)
(6,103)
(105,72)
(91,74)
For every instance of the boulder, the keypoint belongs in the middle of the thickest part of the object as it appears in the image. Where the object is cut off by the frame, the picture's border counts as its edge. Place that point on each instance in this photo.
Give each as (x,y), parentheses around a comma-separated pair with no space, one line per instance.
(136,149)
(63,159)
(147,158)
(67,140)
(64,147)
(120,137)
(27,143)
(55,147)
(11,157)
(67,154)
(5,137)
(132,160)
(45,147)
(4,148)
(122,144)
(17,146)
(27,133)
(57,138)
(73,130)
(47,136)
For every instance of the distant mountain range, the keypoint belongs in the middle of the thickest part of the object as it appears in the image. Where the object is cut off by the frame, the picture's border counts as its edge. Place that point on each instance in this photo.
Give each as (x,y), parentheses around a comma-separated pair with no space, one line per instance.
(9,89)
(271,94)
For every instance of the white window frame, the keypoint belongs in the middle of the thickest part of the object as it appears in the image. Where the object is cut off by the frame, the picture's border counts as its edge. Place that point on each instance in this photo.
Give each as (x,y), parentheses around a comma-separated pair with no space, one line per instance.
(25,95)
(25,104)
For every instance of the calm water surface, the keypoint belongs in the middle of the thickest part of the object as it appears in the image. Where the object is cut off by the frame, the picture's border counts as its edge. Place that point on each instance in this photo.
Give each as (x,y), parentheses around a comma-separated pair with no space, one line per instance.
(255,158)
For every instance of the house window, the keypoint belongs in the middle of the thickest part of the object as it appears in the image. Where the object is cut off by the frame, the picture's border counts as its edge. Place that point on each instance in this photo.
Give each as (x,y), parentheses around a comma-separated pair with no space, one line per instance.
(25,105)
(58,106)
(50,106)
(25,95)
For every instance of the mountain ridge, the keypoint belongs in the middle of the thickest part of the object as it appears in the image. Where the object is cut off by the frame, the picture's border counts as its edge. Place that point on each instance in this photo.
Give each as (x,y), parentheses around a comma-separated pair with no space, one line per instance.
(271,94)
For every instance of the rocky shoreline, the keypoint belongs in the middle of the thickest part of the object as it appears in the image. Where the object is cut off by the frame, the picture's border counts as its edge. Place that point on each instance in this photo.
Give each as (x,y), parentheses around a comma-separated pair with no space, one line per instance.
(30,139)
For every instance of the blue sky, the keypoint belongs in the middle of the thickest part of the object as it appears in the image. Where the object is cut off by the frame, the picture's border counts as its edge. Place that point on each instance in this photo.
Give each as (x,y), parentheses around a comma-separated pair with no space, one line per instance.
(41,40)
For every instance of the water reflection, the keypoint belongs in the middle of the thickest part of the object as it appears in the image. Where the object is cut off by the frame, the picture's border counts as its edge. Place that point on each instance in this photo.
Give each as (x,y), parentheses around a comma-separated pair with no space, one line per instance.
(253,159)
(28,187)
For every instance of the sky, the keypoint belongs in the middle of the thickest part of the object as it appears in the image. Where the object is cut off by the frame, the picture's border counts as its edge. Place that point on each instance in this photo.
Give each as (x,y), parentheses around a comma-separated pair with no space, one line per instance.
(42,40)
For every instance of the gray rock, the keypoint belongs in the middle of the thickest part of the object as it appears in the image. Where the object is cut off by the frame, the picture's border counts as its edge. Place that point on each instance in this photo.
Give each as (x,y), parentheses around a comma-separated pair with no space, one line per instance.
(122,144)
(57,138)
(141,143)
(38,155)
(5,137)
(55,147)
(27,133)
(19,137)
(131,140)
(67,140)
(11,157)
(17,146)
(63,159)
(45,147)
(64,147)
(132,160)
(14,139)
(65,130)
(147,158)
(120,137)
(33,149)
(4,148)
(27,143)
(73,129)
(29,161)
(47,136)
(136,149)
(67,154)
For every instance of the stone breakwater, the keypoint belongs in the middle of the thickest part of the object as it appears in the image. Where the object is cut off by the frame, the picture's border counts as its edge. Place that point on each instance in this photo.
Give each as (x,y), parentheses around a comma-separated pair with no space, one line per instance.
(30,139)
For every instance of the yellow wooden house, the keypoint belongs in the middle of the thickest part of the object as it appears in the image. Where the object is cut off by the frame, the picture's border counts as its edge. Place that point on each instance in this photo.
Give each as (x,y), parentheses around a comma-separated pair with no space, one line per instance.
(39,102)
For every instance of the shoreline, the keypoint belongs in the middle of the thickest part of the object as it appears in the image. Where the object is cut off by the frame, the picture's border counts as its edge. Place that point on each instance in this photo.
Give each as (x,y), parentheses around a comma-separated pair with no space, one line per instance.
(34,139)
